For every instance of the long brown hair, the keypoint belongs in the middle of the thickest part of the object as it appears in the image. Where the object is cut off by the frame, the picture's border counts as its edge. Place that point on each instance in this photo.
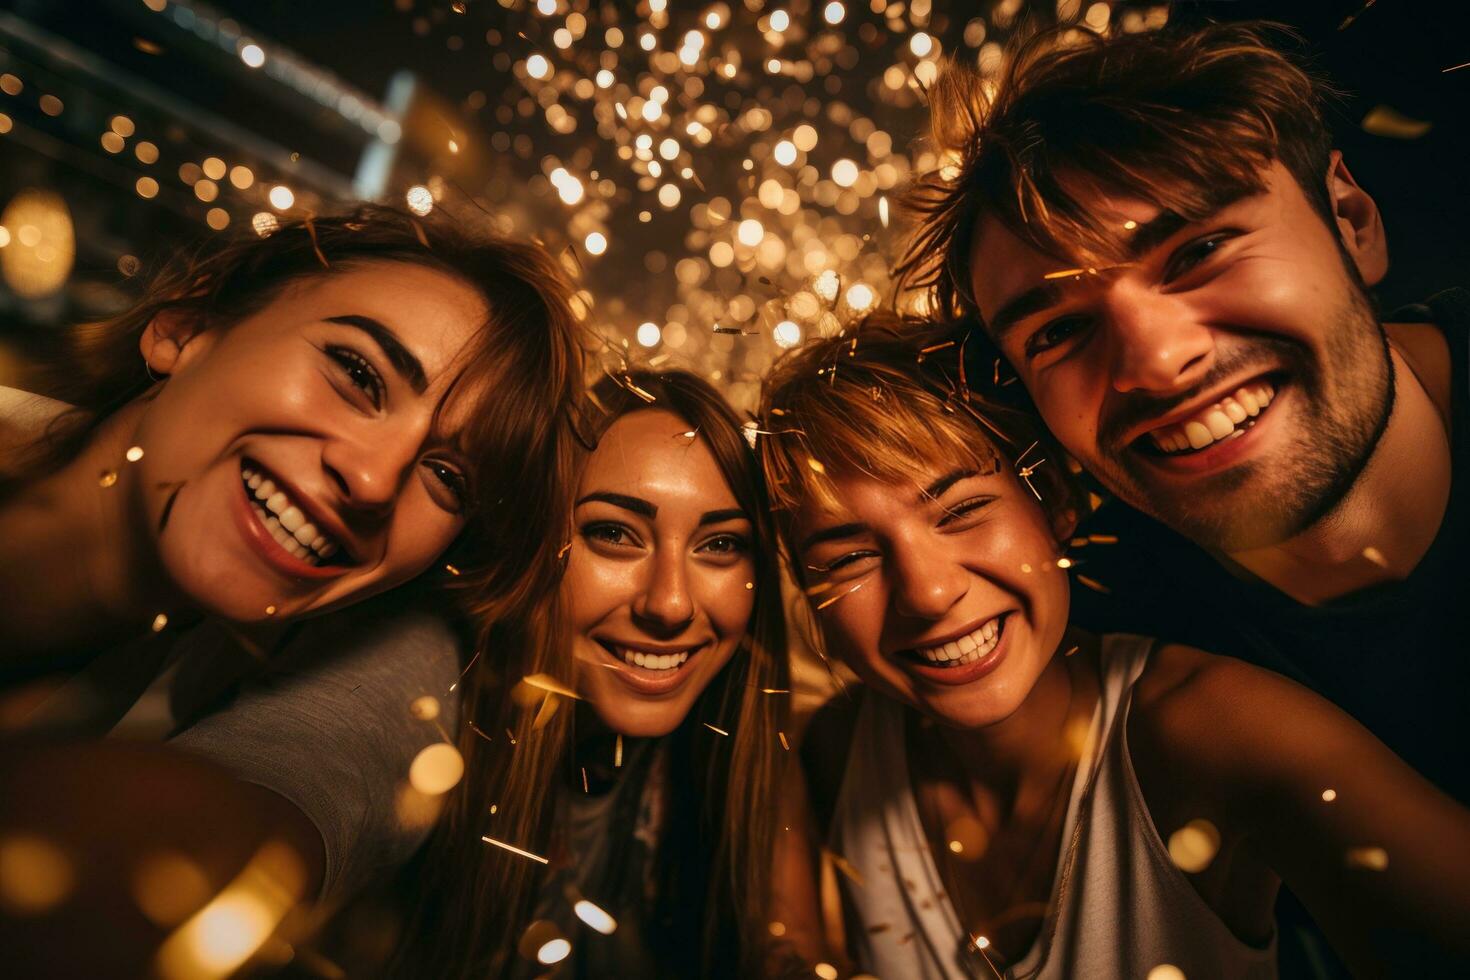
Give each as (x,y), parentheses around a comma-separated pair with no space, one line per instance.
(526,363)
(1186,118)
(478,899)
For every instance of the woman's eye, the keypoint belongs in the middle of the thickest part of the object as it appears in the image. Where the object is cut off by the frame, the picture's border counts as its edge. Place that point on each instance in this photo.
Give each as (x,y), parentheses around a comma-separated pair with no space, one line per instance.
(963,509)
(1193,254)
(726,544)
(452,479)
(359,372)
(609,534)
(1055,333)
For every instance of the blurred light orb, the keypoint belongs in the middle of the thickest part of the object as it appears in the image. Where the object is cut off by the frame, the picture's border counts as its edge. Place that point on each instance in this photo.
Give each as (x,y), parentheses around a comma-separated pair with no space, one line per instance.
(595,917)
(595,243)
(253,55)
(786,334)
(844,173)
(668,195)
(668,149)
(785,153)
(553,952)
(546,7)
(570,190)
(281,197)
(537,66)
(649,334)
(242,176)
(264,223)
(834,12)
(921,44)
(780,20)
(750,232)
(861,297)
(437,769)
(605,78)
(826,285)
(420,199)
(39,261)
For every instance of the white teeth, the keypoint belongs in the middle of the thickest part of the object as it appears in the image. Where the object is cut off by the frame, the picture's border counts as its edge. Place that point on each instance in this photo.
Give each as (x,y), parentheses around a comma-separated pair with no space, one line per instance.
(1215,422)
(287,522)
(654,661)
(967,649)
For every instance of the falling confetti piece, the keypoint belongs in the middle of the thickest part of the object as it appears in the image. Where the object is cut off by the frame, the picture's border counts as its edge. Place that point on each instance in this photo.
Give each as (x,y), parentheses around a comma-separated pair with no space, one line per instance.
(159,622)
(270,610)
(1328,795)
(784,744)
(717,731)
(134,454)
(515,850)
(451,569)
(1367,858)
(1375,556)
(108,478)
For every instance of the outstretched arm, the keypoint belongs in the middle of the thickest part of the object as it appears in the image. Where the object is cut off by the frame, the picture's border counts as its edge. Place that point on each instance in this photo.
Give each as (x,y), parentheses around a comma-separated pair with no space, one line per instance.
(1380,857)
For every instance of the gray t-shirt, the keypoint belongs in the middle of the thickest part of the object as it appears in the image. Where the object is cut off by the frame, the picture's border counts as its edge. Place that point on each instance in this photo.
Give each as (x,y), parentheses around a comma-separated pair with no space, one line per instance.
(332,721)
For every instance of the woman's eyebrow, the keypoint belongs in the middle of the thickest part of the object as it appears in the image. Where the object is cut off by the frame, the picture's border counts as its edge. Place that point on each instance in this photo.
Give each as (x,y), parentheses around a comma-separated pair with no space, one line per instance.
(402,359)
(636,504)
(717,516)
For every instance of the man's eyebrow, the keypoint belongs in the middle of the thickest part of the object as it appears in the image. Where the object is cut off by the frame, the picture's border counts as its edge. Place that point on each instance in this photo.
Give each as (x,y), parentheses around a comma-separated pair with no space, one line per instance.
(1148,237)
(937,489)
(719,516)
(1154,232)
(636,504)
(398,355)
(831,534)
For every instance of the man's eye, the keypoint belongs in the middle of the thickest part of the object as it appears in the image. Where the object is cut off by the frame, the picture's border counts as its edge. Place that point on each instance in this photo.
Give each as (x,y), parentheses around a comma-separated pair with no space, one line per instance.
(963,509)
(843,561)
(359,372)
(1193,254)
(1055,333)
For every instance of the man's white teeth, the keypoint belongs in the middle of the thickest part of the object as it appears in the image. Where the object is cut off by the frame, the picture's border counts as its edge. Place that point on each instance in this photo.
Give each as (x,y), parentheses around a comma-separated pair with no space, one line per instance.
(967,649)
(1215,422)
(286,522)
(654,661)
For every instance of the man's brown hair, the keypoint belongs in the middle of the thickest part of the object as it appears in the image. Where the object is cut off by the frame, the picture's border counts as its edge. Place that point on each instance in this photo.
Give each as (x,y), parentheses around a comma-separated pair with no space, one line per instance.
(1188,119)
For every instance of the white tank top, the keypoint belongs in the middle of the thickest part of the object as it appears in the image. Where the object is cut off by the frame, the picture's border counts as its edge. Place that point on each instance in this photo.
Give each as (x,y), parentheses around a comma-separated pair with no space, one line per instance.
(1119,907)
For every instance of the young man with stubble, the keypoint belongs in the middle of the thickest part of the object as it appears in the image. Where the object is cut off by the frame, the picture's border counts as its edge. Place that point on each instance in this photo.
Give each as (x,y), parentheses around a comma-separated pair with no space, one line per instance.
(1174,266)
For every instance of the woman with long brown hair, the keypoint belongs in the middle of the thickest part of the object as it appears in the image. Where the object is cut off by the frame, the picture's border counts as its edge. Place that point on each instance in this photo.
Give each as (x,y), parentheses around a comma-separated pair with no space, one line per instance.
(361,406)
(650,799)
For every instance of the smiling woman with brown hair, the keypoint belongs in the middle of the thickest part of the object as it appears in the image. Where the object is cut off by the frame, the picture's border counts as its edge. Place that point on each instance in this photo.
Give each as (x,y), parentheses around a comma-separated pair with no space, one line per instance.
(351,408)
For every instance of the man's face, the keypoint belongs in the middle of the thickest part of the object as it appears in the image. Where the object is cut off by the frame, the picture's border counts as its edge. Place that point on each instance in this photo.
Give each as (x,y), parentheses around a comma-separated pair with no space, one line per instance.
(1229,379)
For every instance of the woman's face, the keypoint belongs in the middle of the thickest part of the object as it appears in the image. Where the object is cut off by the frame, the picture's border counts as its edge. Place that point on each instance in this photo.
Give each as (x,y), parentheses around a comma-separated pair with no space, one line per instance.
(660,579)
(293,462)
(944,596)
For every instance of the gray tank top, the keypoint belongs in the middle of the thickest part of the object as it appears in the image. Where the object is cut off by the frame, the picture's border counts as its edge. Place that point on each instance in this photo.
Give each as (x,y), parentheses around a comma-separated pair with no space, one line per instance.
(1119,907)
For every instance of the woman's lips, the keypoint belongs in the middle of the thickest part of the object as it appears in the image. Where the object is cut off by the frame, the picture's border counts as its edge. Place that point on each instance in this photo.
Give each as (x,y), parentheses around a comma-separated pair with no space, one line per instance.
(264,545)
(644,680)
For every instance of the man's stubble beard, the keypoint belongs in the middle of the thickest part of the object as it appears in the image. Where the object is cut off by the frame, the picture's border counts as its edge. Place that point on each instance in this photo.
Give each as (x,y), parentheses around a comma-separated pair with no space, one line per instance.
(1340,414)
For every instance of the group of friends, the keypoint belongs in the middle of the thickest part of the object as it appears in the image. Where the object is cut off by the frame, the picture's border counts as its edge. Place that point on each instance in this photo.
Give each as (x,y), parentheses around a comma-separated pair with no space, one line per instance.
(1141,548)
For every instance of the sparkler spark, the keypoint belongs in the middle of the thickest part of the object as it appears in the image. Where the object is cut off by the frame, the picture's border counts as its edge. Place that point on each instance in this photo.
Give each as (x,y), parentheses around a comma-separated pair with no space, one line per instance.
(515,850)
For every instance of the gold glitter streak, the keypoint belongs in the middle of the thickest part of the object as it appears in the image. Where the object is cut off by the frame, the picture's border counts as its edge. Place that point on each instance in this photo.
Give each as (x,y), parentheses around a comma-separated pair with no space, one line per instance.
(618,752)
(784,744)
(546,682)
(717,731)
(1367,858)
(515,850)
(841,595)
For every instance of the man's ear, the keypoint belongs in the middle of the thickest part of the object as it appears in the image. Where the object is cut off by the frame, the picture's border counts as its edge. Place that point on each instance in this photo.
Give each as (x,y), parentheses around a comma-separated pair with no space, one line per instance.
(171,340)
(1359,225)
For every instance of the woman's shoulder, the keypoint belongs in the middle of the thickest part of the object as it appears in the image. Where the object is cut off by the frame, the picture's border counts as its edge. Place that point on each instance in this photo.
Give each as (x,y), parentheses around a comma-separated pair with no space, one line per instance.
(24,415)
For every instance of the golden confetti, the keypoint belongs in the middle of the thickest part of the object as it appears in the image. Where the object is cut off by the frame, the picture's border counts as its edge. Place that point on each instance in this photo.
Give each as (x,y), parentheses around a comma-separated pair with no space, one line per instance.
(816,466)
(134,454)
(717,731)
(108,478)
(1193,846)
(436,770)
(1375,556)
(1367,858)
(1328,795)
(777,928)
(749,586)
(1064,563)
(451,569)
(159,622)
(1065,273)
(584,780)
(784,744)
(1093,584)
(1073,650)
(1103,538)
(842,864)
(546,682)
(595,917)
(515,850)
(618,752)
(270,610)
(775,690)
(841,595)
